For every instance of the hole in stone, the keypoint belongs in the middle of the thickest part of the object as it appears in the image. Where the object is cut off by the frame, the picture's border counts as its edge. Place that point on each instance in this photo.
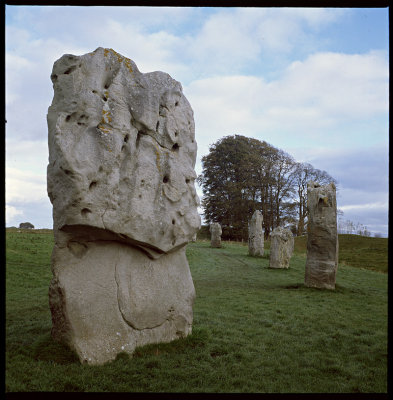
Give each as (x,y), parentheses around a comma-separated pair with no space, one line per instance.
(123,147)
(175,147)
(53,77)
(80,123)
(69,70)
(177,103)
(92,185)
(85,212)
(166,179)
(187,180)
(126,138)
(138,137)
(158,124)
(176,133)
(140,196)
(104,98)
(67,172)
(68,118)
(100,169)
(94,91)
(142,181)
(173,222)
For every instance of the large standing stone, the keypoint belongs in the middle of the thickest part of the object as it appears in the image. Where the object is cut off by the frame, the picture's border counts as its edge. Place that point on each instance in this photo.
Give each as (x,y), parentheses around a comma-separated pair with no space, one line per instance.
(215,232)
(281,247)
(121,177)
(322,240)
(255,235)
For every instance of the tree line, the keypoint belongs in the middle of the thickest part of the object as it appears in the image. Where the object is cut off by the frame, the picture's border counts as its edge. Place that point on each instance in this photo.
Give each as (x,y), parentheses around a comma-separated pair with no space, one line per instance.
(241,175)
(349,227)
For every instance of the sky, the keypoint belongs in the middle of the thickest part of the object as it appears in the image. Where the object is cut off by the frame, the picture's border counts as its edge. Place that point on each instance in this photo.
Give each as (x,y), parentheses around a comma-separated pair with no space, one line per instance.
(313,82)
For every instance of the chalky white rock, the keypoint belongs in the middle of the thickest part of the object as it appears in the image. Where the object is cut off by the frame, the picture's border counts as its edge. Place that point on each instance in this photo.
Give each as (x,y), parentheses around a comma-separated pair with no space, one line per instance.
(121,175)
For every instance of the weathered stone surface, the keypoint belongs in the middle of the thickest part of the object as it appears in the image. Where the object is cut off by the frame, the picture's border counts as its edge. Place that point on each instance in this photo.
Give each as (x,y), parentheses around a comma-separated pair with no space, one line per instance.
(122,152)
(120,177)
(215,231)
(114,298)
(281,247)
(255,235)
(322,240)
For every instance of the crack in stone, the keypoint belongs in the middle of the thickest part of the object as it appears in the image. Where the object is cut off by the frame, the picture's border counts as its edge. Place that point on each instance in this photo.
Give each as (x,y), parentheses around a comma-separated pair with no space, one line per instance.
(141,127)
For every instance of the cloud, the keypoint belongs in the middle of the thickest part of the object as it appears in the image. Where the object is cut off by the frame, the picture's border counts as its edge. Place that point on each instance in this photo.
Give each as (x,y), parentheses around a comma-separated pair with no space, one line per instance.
(372,215)
(362,169)
(11,214)
(366,207)
(22,186)
(312,101)
(259,72)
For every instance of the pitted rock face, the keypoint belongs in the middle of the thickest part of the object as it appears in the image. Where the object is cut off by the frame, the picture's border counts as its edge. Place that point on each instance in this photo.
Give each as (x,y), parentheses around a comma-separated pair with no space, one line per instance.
(255,235)
(121,180)
(122,153)
(281,247)
(322,238)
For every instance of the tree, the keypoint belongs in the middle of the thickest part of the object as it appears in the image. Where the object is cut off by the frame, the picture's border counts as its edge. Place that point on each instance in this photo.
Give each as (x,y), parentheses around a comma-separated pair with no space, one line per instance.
(241,175)
(226,180)
(26,225)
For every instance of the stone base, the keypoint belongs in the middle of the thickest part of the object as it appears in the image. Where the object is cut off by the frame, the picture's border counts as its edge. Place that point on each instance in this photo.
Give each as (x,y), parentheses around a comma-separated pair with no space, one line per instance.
(107,298)
(320,274)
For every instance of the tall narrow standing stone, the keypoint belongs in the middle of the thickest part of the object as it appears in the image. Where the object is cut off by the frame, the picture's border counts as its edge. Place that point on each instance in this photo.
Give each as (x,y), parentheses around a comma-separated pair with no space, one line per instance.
(322,239)
(215,231)
(120,177)
(281,248)
(255,235)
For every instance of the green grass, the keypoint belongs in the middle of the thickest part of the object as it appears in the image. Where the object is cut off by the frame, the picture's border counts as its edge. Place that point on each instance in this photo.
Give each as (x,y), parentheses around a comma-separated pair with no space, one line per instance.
(254,330)
(357,251)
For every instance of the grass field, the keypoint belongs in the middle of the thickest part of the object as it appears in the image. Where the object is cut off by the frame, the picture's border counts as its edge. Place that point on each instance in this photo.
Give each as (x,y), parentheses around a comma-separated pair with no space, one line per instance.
(254,330)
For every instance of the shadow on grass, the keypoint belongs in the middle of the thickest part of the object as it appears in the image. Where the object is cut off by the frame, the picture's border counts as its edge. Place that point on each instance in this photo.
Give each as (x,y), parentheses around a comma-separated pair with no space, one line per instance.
(338,290)
(266,256)
(47,349)
(199,338)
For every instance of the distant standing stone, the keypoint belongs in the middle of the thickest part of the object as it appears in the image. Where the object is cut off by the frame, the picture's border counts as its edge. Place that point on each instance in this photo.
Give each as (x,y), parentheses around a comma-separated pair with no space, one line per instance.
(216,231)
(322,240)
(281,248)
(255,235)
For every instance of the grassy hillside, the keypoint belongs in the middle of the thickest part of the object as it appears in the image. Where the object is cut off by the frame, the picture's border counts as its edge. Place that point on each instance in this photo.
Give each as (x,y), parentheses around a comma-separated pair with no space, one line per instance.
(255,330)
(357,251)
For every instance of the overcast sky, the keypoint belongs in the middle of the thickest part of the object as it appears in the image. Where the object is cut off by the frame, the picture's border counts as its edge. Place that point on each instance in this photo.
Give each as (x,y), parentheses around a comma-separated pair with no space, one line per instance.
(312,82)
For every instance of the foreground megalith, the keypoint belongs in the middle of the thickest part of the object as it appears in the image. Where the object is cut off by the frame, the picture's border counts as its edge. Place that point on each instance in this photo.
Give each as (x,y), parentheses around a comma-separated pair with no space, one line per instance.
(281,248)
(255,235)
(120,177)
(215,234)
(322,238)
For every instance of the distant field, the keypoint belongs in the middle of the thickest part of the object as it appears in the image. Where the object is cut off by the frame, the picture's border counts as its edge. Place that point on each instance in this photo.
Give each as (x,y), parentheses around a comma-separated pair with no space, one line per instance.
(254,330)
(357,251)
